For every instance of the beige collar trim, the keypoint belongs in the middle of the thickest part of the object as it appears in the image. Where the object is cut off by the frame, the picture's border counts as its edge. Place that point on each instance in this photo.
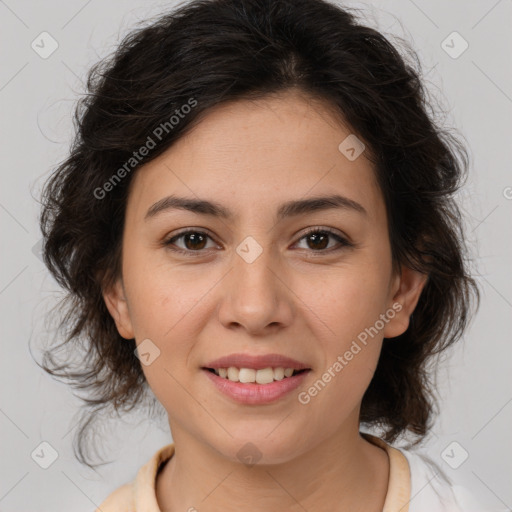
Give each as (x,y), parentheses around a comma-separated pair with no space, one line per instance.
(398,495)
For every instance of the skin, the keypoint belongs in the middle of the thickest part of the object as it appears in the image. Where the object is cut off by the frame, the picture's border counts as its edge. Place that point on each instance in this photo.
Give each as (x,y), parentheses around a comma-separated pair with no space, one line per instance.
(294,299)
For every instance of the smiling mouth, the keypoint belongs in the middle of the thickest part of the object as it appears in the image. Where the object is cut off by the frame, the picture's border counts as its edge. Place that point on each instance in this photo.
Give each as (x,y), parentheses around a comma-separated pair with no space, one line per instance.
(253,376)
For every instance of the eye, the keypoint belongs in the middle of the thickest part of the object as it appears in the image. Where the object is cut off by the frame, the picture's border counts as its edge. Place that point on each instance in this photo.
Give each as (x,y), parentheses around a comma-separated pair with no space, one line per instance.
(194,241)
(318,240)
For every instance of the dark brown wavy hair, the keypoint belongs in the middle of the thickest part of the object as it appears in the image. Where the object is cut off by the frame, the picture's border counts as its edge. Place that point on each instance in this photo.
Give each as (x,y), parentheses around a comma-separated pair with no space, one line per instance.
(215,51)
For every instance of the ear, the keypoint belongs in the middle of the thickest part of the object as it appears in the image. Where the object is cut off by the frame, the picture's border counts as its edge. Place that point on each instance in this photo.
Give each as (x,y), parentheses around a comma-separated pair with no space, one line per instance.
(117,306)
(406,290)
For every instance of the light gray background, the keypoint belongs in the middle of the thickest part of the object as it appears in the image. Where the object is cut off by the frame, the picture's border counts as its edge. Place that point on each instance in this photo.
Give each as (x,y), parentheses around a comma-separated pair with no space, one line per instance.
(36,97)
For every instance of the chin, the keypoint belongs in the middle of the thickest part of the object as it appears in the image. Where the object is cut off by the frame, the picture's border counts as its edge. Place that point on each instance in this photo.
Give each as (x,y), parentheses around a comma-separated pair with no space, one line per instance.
(256,446)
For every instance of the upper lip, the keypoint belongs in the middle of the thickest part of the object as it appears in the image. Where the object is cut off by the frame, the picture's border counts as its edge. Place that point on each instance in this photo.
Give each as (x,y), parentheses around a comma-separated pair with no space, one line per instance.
(256,362)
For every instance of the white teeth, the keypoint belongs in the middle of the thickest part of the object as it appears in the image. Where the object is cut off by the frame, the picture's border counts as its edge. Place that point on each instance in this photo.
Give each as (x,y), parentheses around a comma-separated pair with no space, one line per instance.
(250,375)
(247,375)
(233,373)
(265,376)
(278,373)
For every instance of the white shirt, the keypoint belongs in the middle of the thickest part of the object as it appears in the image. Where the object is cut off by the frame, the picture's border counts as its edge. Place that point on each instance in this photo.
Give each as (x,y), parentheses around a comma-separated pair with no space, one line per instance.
(432,490)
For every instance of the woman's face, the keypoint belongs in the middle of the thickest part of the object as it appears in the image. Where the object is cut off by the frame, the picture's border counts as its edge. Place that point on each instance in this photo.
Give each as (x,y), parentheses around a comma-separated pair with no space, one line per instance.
(252,281)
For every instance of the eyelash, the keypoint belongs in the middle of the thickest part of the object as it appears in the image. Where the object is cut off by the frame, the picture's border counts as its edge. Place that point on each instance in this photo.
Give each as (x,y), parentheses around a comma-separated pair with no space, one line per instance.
(344,243)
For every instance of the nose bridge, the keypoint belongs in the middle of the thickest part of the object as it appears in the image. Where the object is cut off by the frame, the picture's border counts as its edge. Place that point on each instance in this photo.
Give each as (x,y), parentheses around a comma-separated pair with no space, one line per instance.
(256,295)
(253,274)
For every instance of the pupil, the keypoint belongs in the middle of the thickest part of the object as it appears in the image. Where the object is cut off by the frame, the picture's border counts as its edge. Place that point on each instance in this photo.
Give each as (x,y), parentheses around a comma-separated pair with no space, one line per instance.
(194,237)
(316,237)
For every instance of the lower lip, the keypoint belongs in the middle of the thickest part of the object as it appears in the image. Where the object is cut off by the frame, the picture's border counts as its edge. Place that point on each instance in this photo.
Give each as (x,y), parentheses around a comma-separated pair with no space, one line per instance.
(256,393)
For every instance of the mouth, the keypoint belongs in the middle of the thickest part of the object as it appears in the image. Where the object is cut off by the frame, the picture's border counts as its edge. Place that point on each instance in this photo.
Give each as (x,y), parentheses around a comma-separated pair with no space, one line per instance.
(262,376)
(255,379)
(250,386)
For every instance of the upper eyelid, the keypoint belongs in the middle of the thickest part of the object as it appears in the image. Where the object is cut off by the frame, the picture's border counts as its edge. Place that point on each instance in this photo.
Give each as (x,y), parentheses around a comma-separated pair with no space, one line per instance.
(186,231)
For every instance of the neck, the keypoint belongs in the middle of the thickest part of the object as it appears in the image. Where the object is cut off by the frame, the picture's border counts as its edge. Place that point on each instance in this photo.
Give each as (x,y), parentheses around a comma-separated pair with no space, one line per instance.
(343,472)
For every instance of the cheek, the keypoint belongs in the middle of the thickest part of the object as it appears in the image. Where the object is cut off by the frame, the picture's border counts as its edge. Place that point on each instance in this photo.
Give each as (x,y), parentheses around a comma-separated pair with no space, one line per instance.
(161,301)
(342,386)
(349,345)
(348,301)
(163,311)
(344,313)
(160,296)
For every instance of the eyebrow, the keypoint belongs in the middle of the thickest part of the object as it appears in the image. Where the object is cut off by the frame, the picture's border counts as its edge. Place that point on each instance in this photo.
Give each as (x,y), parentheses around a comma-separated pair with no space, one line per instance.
(288,209)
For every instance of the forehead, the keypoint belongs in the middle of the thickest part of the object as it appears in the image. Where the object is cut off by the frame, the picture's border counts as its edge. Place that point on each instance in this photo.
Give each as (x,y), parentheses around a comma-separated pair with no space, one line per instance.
(251,154)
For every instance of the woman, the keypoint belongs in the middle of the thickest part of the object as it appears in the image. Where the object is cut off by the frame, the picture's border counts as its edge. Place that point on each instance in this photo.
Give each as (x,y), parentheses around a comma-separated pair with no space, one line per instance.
(256,227)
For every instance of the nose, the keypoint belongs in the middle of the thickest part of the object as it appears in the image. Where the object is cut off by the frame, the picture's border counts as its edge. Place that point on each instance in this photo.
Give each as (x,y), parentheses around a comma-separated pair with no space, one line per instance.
(256,296)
